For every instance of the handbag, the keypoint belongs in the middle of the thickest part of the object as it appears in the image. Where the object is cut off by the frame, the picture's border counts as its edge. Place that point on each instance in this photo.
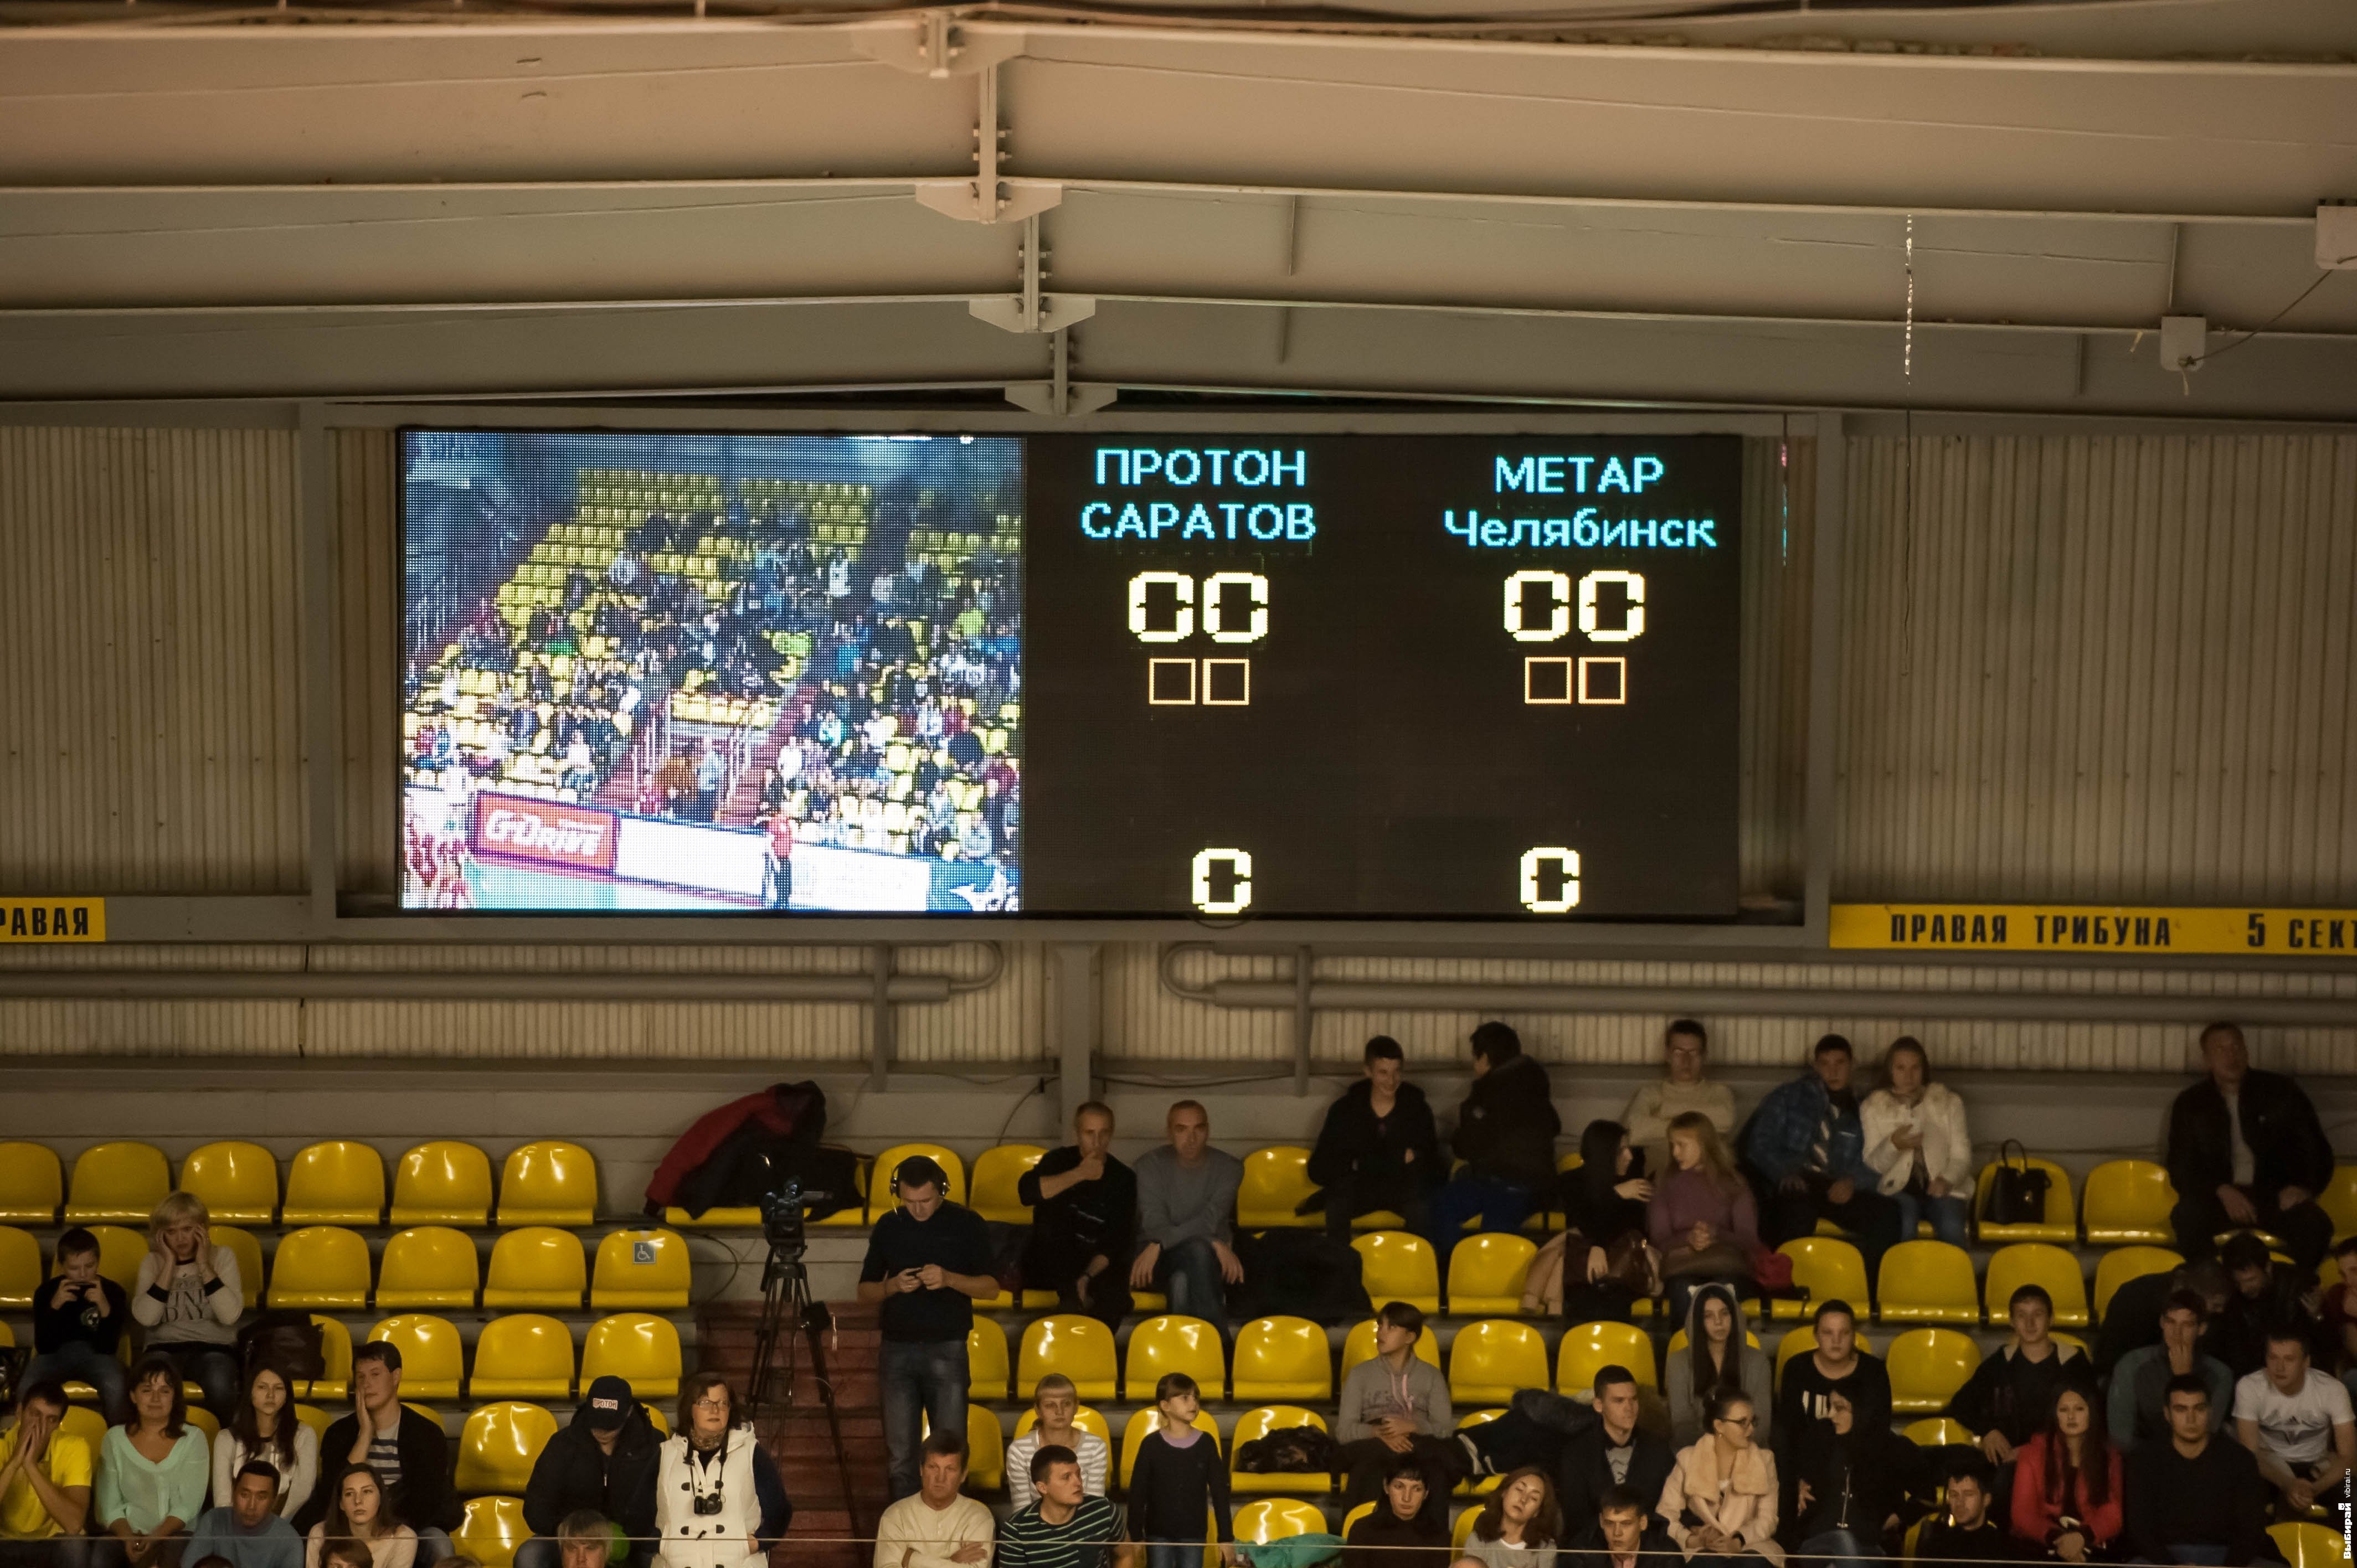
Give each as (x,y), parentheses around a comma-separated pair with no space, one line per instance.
(2017,1193)
(1770,1270)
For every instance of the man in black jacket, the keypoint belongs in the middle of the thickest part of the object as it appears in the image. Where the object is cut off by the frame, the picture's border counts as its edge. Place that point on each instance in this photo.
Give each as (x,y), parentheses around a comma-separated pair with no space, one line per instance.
(604,1463)
(408,1451)
(1505,1135)
(1613,1452)
(2197,1497)
(1625,1535)
(1378,1148)
(2245,1149)
(1083,1207)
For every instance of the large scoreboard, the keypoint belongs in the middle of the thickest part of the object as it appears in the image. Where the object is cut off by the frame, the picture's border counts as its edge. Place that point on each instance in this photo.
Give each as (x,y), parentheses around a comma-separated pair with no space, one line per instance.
(1217,676)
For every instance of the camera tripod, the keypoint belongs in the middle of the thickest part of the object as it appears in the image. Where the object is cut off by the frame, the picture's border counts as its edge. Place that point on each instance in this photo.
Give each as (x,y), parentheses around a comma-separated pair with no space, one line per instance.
(785,1293)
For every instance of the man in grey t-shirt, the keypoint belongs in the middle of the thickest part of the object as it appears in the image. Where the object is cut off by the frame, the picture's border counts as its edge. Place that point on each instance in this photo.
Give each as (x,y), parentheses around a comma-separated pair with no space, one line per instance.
(1186,1219)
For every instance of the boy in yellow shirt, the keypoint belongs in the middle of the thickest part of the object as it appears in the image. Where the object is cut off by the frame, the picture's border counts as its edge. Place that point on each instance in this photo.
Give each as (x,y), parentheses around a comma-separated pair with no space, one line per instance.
(45,1476)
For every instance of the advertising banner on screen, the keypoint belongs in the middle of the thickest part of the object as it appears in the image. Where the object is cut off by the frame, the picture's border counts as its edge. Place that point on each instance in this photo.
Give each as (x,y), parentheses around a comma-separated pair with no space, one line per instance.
(727,861)
(545,833)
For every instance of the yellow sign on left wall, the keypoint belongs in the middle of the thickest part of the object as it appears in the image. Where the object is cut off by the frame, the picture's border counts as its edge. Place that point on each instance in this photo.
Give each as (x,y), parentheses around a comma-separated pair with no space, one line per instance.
(51,919)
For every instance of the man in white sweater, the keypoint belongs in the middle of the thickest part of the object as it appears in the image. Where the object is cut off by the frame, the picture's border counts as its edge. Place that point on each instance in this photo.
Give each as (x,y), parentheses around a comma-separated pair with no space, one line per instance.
(1654,1107)
(937,1527)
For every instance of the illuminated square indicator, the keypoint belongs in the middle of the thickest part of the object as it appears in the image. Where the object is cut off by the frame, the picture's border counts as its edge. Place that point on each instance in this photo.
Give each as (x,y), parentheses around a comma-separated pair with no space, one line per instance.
(1171,682)
(1227,683)
(1604,681)
(1546,680)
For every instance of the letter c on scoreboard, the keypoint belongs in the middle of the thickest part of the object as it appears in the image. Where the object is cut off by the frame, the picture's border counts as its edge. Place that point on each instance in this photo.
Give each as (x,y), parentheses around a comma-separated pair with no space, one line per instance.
(1566,864)
(1199,890)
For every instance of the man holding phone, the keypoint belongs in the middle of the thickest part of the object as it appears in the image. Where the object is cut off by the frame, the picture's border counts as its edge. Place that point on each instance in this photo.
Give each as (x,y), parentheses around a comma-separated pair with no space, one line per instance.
(927,1262)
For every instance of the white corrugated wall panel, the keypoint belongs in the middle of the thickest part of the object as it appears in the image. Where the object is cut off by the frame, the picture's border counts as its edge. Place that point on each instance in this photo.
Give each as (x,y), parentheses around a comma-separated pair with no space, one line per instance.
(1004,1022)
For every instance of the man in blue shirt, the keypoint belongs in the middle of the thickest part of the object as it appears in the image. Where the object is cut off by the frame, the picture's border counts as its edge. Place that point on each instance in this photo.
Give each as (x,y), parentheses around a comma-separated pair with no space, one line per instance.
(1806,1152)
(248,1533)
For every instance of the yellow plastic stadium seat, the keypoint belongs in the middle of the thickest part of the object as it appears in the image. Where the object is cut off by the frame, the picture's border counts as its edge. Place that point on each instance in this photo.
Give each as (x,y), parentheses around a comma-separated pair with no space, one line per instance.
(524,1356)
(1463,1529)
(1829,1268)
(1491,1361)
(986,1449)
(1283,1358)
(1358,1345)
(337,1183)
(238,1182)
(491,1531)
(32,1184)
(88,1425)
(2127,1201)
(1927,1366)
(1486,1274)
(2308,1545)
(1353,1517)
(1258,1424)
(433,1360)
(443,1182)
(1275,1182)
(1277,1519)
(636,1346)
(2062,1221)
(1803,1341)
(881,1200)
(206,1422)
(1399,1267)
(500,1445)
(325,1266)
(428,1266)
(2121,1264)
(1937,1432)
(1080,1347)
(1173,1343)
(1148,1421)
(987,1372)
(995,1172)
(1929,1282)
(1589,1347)
(248,1253)
(548,1183)
(2035,1262)
(644,1270)
(334,1378)
(120,1182)
(538,1266)
(20,1269)
(2339,1200)
(120,1248)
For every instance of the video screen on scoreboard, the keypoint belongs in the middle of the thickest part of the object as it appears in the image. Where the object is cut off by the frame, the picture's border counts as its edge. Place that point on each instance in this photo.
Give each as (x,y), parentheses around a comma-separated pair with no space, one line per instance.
(658,672)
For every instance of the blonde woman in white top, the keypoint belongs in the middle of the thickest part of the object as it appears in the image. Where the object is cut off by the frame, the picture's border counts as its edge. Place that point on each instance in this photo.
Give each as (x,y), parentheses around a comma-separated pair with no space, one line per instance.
(1915,1135)
(266,1428)
(188,1296)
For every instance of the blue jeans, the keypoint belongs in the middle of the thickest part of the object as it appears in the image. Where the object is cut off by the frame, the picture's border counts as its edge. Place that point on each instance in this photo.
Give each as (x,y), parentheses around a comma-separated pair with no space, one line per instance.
(81,1358)
(433,1545)
(1174,1555)
(2201,1556)
(1188,1275)
(922,1378)
(212,1368)
(1947,1215)
(59,1552)
(1837,1544)
(1499,1205)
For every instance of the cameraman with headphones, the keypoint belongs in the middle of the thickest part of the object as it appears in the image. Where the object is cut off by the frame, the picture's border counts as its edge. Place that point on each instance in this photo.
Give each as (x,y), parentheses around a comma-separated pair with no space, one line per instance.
(928,1260)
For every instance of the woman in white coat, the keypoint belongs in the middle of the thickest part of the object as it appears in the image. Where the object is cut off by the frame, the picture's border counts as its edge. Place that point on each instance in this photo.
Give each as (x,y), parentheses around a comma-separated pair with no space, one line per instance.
(719,1502)
(1915,1135)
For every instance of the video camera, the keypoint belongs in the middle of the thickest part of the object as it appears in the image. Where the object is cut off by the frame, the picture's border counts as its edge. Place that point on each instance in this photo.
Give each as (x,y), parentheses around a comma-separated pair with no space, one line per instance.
(785,1215)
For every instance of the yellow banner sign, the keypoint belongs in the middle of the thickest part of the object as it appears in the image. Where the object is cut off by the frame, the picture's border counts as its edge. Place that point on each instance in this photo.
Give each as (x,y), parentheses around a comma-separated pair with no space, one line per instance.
(52,920)
(2094,928)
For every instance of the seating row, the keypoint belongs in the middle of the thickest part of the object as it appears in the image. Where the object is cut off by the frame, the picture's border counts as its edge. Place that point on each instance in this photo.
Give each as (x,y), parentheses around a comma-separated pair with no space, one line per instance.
(426,1266)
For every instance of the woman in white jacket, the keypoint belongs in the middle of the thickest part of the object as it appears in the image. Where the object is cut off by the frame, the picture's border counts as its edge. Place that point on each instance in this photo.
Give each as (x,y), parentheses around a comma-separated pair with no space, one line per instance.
(719,1502)
(1915,1136)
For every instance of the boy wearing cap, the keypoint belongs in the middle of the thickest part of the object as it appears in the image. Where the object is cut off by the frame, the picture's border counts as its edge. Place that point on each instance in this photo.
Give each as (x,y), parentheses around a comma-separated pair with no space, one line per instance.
(928,1260)
(604,1463)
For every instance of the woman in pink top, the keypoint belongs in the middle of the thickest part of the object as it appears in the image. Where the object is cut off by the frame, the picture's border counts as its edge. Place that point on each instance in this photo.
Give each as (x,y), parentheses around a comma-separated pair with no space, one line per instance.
(1701,1219)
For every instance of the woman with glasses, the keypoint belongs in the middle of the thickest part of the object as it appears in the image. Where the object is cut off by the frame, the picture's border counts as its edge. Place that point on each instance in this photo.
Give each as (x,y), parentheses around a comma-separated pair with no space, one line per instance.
(718,1499)
(1721,1497)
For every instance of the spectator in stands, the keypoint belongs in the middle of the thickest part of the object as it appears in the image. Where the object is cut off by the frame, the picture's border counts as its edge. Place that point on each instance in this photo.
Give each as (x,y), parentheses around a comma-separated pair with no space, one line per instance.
(1720,1500)
(246,1531)
(711,775)
(1603,1260)
(2140,1383)
(78,1320)
(928,1260)
(2245,1149)
(1186,1219)
(1404,1530)
(1395,1409)
(264,1428)
(1378,1147)
(603,1461)
(45,1483)
(2337,1315)
(2132,1318)
(1083,1207)
(188,1296)
(1961,1529)
(406,1449)
(2196,1497)
(719,1502)
(1682,1090)
(1851,1485)
(1614,1452)
(1703,1219)
(1178,1478)
(2267,1298)
(1506,1130)
(1518,1526)
(1916,1137)
(1836,1366)
(2068,1483)
(675,782)
(151,1472)
(359,1510)
(1065,1528)
(587,1539)
(939,1527)
(2295,1421)
(1715,1355)
(1054,1404)
(1625,1535)
(1806,1150)
(2010,1394)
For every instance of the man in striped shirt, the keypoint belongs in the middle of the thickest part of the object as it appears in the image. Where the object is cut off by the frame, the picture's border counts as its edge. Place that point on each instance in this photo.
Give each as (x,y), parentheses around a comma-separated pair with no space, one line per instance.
(1065,1528)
